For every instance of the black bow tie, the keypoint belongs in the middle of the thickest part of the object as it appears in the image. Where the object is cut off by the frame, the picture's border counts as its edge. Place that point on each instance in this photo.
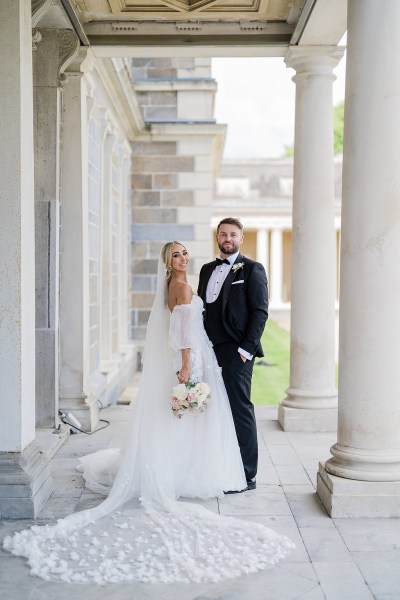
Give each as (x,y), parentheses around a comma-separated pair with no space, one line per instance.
(221,261)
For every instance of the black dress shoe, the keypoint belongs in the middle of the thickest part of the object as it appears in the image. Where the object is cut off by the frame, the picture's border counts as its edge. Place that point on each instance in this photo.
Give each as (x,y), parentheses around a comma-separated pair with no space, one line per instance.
(236,491)
(251,484)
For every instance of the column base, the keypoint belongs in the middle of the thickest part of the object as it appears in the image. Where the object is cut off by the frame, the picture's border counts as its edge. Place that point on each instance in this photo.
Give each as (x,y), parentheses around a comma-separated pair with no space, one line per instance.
(307,419)
(350,498)
(25,483)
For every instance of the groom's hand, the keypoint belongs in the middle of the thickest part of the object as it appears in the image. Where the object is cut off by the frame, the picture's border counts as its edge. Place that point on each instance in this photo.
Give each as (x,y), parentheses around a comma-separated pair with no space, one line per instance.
(244,359)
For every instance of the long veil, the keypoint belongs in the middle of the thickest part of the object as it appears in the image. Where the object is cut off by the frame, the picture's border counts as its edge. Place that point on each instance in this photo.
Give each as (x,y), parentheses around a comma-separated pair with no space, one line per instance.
(140,532)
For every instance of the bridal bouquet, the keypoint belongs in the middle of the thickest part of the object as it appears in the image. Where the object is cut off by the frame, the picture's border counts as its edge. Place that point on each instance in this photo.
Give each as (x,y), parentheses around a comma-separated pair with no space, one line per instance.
(190,397)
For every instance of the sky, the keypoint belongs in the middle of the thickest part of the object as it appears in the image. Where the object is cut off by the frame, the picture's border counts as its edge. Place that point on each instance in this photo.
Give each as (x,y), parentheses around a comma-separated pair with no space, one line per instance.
(255,98)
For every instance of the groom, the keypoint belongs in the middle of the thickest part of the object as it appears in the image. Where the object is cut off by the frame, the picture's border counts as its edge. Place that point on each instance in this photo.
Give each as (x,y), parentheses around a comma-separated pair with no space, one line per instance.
(235,291)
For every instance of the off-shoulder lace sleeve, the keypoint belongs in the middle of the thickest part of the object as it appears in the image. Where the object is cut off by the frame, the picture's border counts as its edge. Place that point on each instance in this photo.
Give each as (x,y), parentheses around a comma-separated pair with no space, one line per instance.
(181,327)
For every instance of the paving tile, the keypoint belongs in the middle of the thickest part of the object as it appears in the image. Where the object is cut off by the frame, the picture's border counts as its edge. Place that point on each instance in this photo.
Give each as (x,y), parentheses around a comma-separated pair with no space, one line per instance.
(37,594)
(314,440)
(306,507)
(273,437)
(9,591)
(72,487)
(369,534)
(292,475)
(342,581)
(324,543)
(57,507)
(210,504)
(14,569)
(286,526)
(88,500)
(312,475)
(267,413)
(303,569)
(283,455)
(267,475)
(271,584)
(254,503)
(315,594)
(381,571)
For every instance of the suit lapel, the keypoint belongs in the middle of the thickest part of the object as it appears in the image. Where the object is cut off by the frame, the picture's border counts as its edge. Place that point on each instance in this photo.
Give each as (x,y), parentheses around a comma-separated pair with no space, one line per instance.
(228,281)
(206,278)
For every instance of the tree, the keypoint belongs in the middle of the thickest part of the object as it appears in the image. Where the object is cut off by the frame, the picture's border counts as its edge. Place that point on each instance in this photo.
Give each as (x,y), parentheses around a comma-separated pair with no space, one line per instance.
(338,120)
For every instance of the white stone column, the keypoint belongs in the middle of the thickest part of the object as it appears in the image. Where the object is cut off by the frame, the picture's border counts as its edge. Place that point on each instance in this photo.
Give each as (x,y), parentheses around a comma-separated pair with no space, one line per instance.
(124,252)
(262,247)
(74,291)
(25,483)
(276,268)
(311,399)
(107,363)
(363,477)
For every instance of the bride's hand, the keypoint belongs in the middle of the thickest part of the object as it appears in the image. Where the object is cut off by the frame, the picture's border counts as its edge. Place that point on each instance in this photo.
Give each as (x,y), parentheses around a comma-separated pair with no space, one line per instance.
(183,375)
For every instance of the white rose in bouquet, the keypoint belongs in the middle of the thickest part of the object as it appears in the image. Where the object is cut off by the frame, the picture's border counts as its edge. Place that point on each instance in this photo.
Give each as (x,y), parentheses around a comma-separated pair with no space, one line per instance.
(180,391)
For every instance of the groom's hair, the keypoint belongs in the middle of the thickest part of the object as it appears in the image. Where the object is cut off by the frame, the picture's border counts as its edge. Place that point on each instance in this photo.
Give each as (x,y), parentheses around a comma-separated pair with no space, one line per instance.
(230,221)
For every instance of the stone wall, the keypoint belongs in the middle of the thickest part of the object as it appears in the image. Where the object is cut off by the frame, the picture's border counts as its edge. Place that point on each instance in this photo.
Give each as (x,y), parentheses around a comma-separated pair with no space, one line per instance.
(173,167)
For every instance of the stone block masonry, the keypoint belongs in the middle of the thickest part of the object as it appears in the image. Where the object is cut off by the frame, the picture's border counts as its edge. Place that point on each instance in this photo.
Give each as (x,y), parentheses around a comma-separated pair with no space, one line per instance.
(167,166)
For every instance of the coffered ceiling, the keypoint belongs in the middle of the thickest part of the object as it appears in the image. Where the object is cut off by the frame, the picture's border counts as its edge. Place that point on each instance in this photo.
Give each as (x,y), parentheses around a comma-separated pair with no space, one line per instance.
(270,23)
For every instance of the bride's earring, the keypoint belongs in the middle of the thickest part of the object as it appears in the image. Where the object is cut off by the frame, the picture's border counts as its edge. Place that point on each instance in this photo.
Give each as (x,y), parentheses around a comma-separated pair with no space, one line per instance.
(169,271)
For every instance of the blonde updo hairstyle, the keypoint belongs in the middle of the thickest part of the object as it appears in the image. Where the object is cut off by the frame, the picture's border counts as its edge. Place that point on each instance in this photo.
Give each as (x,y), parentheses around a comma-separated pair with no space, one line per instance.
(166,254)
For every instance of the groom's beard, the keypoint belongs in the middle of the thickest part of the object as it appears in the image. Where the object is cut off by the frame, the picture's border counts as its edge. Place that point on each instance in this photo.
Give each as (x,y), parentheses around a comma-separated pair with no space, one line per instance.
(232,249)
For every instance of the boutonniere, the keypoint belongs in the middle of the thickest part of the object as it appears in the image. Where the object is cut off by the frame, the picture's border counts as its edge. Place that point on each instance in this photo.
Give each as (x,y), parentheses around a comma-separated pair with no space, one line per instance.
(237,266)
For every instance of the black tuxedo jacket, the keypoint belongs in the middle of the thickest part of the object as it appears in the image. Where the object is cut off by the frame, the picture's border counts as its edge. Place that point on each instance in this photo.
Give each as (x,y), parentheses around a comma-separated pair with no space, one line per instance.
(244,302)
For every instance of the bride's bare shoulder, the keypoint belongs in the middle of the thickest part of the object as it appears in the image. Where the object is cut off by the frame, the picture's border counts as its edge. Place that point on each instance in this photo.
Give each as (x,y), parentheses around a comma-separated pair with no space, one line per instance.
(179,292)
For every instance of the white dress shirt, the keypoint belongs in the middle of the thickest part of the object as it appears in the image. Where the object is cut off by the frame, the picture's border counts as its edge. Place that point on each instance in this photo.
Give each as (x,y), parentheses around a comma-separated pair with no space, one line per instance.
(215,284)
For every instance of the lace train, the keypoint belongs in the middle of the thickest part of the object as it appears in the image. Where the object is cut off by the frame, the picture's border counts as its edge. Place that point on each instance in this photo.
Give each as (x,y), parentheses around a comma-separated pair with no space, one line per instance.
(177,542)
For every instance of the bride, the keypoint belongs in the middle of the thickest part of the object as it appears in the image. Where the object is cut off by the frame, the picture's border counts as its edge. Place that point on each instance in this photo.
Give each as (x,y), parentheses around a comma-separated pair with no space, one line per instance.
(141,531)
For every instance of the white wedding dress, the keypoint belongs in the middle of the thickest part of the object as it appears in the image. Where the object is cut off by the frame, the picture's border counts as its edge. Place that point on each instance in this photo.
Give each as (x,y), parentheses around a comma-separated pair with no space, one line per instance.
(142,532)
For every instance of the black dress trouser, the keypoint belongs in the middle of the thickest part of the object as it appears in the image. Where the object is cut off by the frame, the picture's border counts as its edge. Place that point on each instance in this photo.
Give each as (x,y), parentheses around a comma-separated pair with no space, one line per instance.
(237,378)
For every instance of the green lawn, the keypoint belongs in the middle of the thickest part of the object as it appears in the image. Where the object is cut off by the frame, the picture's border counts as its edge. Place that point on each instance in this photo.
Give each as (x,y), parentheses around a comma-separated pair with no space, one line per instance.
(270,382)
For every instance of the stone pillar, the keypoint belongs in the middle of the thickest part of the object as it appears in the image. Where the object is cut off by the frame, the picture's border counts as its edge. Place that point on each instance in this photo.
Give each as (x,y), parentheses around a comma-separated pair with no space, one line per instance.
(107,363)
(262,247)
(74,291)
(124,251)
(276,270)
(25,482)
(363,477)
(311,399)
(52,54)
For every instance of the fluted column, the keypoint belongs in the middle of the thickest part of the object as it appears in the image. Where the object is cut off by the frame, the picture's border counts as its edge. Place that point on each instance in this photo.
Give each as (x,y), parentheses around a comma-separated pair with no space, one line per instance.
(363,477)
(311,399)
(276,270)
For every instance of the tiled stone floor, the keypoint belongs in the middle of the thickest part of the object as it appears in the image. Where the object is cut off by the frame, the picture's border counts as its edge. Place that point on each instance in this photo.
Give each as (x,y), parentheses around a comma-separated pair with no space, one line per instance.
(344,559)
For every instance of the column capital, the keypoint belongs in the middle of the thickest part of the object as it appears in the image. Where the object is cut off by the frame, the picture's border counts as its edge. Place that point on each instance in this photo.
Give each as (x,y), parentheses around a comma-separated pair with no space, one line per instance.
(313,60)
